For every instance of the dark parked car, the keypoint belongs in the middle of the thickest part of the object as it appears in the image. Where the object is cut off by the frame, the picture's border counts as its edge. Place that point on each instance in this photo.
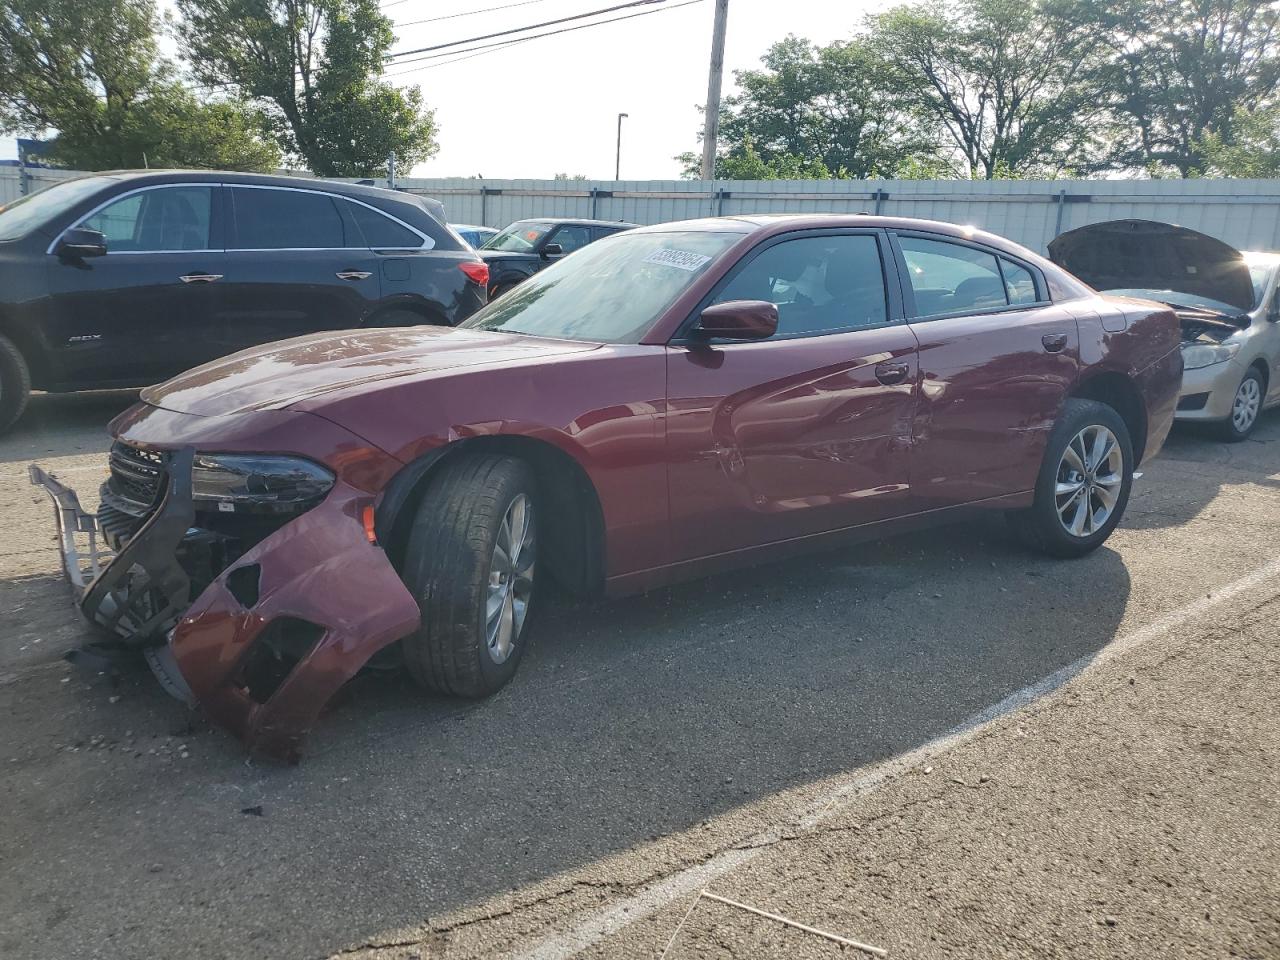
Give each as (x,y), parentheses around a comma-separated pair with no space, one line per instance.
(123,279)
(527,246)
(675,400)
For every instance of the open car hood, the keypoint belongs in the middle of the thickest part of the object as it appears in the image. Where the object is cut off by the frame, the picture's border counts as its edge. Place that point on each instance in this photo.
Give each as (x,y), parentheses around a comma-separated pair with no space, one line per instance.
(1148,255)
(277,375)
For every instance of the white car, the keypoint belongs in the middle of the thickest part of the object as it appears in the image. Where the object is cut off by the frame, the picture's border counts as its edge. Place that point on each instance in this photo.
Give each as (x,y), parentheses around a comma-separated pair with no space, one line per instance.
(1226,300)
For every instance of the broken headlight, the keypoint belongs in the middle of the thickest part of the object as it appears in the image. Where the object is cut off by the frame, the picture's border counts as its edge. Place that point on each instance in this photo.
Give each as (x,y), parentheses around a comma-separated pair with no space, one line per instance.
(1197,355)
(257,484)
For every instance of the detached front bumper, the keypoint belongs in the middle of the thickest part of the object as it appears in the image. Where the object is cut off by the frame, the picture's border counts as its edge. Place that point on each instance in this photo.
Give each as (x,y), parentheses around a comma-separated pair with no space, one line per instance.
(276,633)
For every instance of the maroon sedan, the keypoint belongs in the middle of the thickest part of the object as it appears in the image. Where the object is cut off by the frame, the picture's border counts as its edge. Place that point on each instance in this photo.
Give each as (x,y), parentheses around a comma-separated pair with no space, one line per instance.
(667,402)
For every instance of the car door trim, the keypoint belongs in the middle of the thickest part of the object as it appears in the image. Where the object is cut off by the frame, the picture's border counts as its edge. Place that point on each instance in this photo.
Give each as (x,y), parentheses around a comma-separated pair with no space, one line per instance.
(427,242)
(128,193)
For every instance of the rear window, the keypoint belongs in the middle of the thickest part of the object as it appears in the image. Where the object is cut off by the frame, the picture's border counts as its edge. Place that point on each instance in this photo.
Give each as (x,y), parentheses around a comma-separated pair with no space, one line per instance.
(382,231)
(269,219)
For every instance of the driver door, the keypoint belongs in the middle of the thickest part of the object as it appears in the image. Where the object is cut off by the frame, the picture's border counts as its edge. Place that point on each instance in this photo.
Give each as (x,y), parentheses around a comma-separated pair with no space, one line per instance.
(807,431)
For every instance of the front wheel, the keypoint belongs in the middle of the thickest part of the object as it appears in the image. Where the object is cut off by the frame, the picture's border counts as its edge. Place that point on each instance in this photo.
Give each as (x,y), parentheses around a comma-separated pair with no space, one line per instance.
(15,383)
(1083,485)
(1245,408)
(471,563)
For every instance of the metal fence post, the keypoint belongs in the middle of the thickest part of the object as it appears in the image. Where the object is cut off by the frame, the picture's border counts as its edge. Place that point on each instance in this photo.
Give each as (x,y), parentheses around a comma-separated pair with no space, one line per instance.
(1062,203)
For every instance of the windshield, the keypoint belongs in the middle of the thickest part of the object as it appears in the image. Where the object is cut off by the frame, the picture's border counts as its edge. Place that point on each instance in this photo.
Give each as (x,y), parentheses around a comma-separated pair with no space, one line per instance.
(1260,272)
(609,292)
(521,237)
(22,216)
(1176,299)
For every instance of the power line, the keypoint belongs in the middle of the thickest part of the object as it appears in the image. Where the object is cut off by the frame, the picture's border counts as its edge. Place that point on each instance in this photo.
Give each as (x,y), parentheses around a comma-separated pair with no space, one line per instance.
(502,45)
(467,13)
(531,26)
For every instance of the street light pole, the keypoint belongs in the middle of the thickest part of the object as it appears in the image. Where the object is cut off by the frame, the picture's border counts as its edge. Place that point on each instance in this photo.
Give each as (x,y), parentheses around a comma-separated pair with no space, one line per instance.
(711,129)
(617,167)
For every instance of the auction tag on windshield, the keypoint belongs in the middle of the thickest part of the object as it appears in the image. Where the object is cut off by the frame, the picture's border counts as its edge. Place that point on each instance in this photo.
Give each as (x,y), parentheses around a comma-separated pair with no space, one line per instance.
(680,259)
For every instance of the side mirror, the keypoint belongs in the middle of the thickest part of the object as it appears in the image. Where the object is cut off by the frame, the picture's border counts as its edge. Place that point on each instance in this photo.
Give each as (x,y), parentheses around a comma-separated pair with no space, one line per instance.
(79,242)
(739,320)
(552,250)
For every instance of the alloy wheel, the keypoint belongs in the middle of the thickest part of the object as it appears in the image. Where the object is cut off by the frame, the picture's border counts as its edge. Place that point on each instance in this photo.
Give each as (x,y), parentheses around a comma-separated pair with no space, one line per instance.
(1248,401)
(1090,475)
(510,579)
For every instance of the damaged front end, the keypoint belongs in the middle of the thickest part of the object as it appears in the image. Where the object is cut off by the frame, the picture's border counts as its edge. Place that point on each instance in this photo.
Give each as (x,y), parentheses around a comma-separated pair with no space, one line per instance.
(252,582)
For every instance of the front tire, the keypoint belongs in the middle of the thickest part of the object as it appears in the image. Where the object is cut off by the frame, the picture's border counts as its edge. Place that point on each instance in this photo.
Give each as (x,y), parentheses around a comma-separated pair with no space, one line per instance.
(15,383)
(470,563)
(1084,482)
(1246,408)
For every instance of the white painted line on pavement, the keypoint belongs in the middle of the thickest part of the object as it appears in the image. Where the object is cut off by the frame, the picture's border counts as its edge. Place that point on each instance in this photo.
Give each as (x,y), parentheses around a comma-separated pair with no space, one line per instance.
(594,927)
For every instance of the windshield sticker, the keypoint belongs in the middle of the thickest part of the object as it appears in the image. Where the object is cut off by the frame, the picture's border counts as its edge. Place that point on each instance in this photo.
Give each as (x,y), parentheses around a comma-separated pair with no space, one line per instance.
(680,259)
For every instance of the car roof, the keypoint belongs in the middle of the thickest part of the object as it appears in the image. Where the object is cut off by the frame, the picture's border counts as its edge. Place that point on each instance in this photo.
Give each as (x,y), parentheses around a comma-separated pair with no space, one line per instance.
(579,222)
(144,177)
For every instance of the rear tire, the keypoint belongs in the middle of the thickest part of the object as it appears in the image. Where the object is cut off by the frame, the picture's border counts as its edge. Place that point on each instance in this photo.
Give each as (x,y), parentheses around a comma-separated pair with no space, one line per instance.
(1083,485)
(470,564)
(501,289)
(15,383)
(1246,408)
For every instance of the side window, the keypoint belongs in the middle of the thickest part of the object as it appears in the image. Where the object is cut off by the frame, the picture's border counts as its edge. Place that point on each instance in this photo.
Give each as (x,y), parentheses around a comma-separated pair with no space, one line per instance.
(571,237)
(820,284)
(1019,285)
(951,278)
(285,219)
(166,220)
(382,232)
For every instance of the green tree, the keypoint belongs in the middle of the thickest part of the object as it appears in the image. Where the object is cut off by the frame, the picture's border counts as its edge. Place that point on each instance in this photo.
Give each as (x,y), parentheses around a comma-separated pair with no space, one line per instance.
(1254,150)
(90,71)
(817,112)
(1178,73)
(1010,83)
(314,66)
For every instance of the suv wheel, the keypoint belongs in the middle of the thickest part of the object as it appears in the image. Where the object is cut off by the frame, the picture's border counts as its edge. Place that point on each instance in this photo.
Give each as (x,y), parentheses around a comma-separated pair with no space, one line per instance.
(1246,407)
(470,564)
(15,383)
(1083,485)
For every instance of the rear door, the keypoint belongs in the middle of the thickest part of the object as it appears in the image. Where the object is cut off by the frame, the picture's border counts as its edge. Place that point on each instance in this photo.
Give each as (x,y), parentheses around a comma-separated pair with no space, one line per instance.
(142,312)
(296,263)
(805,432)
(996,362)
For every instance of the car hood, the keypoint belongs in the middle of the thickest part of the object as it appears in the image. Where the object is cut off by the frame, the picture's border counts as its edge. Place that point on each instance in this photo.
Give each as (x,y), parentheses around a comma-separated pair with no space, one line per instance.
(278,375)
(1148,255)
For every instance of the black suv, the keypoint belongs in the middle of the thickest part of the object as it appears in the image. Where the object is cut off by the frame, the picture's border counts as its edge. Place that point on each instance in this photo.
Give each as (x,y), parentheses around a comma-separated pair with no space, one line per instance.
(125,279)
(526,246)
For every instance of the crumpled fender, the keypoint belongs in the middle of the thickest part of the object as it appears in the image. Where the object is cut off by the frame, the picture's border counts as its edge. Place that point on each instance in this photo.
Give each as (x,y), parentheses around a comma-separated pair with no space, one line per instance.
(320,568)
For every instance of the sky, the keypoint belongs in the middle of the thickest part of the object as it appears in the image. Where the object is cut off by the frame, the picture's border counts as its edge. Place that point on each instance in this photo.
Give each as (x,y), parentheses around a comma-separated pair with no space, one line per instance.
(550,105)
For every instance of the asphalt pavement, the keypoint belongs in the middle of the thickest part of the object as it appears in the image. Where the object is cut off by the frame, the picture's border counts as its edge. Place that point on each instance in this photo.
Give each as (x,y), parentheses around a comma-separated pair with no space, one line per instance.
(940,745)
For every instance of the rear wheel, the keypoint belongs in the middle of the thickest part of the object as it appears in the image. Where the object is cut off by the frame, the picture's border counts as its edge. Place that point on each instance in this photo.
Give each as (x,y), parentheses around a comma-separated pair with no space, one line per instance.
(1246,407)
(470,562)
(1083,485)
(501,289)
(15,383)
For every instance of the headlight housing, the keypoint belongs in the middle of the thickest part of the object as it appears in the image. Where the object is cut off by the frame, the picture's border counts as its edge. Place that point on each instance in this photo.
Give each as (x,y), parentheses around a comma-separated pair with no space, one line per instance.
(1197,355)
(231,483)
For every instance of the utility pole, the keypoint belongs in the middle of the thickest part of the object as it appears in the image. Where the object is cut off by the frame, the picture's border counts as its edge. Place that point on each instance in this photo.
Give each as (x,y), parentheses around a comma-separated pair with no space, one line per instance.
(391,170)
(711,130)
(617,166)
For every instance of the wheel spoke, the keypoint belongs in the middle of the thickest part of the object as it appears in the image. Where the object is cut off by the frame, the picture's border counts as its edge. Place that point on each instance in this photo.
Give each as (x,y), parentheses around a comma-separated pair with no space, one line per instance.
(510,578)
(1073,459)
(1102,444)
(1071,487)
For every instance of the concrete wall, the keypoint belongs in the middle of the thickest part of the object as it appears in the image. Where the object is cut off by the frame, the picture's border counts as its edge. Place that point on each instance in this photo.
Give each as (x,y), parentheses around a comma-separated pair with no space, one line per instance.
(1244,213)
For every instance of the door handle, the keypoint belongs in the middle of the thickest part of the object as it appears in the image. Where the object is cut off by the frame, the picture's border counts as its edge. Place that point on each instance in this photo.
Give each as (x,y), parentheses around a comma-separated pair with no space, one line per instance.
(200,277)
(890,373)
(1054,342)
(354,274)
